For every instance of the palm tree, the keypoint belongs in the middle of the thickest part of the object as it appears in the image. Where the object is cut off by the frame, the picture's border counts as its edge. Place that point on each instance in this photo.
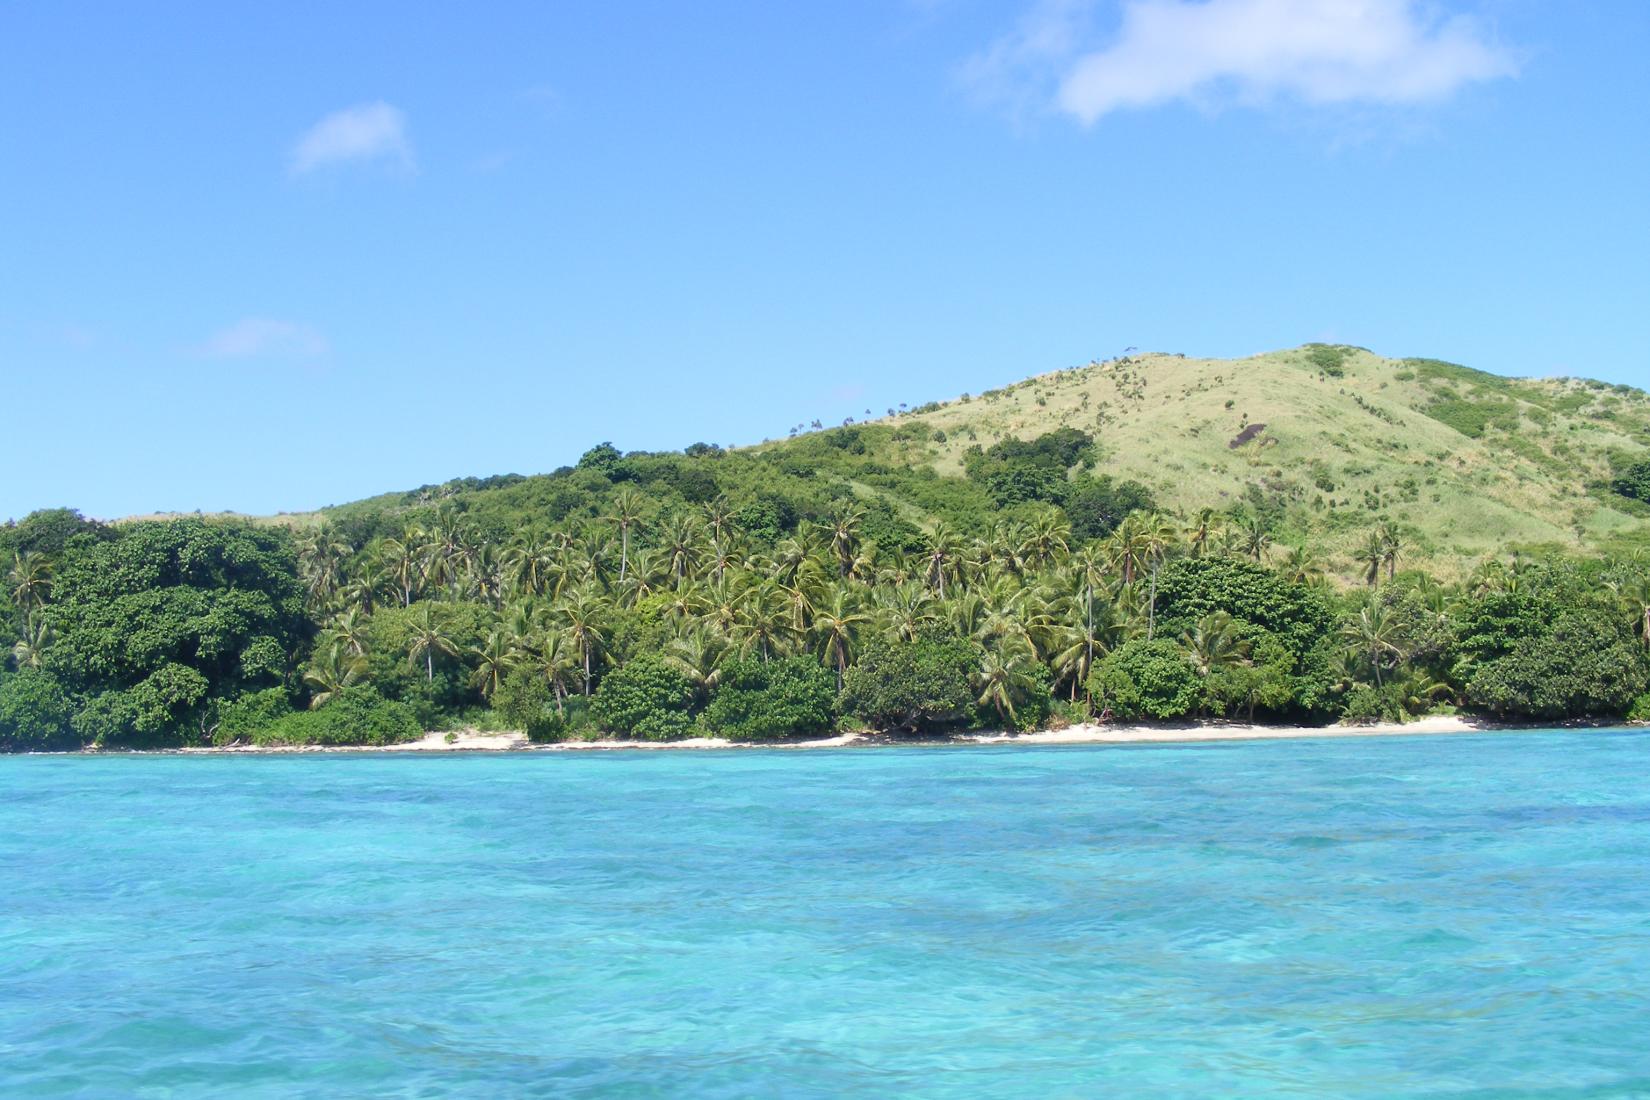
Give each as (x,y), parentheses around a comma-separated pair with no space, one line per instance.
(627,511)
(1214,644)
(584,614)
(1370,555)
(1392,544)
(332,669)
(1253,537)
(350,631)
(698,656)
(401,559)
(718,516)
(1301,566)
(494,657)
(682,541)
(555,658)
(941,556)
(1202,531)
(1003,677)
(905,611)
(321,556)
(763,621)
(1372,635)
(429,637)
(29,651)
(29,580)
(837,626)
(527,562)
(843,532)
(1048,538)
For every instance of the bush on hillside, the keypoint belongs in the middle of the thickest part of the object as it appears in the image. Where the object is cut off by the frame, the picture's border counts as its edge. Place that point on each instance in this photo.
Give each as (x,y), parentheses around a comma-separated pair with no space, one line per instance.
(1634,482)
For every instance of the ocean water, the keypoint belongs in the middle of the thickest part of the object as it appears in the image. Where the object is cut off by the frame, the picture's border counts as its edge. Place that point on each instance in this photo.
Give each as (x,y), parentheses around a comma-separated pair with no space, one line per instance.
(1393,917)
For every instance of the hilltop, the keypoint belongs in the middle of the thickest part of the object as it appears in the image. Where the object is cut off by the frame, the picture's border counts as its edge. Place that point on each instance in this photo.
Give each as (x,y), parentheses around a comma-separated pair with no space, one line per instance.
(1472,463)
(1322,442)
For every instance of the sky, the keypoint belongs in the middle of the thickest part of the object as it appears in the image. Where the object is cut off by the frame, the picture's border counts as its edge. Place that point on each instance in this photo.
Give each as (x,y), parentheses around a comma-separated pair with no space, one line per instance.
(270,257)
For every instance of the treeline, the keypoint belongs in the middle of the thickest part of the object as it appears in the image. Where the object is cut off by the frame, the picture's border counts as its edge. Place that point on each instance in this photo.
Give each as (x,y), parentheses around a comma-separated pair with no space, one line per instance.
(764,595)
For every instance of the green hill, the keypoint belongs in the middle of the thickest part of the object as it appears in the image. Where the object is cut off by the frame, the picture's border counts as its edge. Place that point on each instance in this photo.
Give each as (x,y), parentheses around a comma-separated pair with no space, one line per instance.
(1473,463)
(1321,441)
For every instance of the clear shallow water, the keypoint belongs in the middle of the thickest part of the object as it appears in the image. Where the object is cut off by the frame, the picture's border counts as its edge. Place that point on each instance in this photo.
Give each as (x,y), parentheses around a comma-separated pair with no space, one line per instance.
(1358,918)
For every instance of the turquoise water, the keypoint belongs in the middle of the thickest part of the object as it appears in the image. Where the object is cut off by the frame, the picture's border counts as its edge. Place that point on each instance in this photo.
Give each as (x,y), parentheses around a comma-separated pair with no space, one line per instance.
(1354,918)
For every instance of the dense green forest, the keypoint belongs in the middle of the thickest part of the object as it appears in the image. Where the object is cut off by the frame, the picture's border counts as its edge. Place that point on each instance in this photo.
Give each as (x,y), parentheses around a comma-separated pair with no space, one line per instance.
(781,592)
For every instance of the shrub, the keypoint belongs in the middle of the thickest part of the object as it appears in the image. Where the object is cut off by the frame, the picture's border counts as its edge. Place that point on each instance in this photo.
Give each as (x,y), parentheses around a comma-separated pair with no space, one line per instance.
(357,715)
(1365,704)
(645,699)
(1141,679)
(35,713)
(1584,665)
(767,700)
(1634,482)
(250,714)
(522,699)
(911,686)
(1328,359)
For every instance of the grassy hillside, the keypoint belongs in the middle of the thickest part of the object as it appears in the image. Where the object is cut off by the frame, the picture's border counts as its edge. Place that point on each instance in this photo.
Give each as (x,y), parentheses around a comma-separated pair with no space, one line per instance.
(1470,463)
(1321,441)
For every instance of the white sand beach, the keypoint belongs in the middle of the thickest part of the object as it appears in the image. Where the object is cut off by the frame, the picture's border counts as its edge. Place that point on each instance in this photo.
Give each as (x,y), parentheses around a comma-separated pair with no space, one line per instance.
(1091,733)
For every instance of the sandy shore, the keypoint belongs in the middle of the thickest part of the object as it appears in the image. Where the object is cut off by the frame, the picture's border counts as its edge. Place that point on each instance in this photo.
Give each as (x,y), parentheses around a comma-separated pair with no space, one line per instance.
(471,740)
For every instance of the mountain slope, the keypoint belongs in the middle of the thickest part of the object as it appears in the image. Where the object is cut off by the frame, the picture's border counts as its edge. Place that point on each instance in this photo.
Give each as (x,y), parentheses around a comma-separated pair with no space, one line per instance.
(1471,463)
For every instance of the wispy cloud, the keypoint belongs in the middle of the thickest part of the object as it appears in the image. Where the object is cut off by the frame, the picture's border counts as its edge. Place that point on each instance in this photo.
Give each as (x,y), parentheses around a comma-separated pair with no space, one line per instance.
(1214,52)
(264,338)
(365,132)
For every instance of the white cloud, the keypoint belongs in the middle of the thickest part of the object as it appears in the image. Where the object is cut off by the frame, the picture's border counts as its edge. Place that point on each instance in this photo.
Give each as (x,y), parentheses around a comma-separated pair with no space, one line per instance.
(262,337)
(1248,51)
(367,131)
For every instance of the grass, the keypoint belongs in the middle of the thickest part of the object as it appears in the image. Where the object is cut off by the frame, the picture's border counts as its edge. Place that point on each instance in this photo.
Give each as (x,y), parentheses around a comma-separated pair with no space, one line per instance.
(1492,461)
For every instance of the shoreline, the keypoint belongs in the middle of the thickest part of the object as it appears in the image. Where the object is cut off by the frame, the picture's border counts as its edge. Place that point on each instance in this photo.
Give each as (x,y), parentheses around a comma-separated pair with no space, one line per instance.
(1088,733)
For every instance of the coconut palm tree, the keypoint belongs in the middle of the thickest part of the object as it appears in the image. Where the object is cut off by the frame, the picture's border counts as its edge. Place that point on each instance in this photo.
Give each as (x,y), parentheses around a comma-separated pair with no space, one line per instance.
(1202,531)
(843,533)
(1392,544)
(1003,677)
(1214,644)
(1370,555)
(1048,538)
(1253,537)
(29,651)
(903,612)
(495,657)
(553,656)
(682,542)
(1372,634)
(332,669)
(403,562)
(763,621)
(698,656)
(429,638)
(627,508)
(941,556)
(29,580)
(1301,566)
(583,614)
(527,562)
(349,630)
(837,626)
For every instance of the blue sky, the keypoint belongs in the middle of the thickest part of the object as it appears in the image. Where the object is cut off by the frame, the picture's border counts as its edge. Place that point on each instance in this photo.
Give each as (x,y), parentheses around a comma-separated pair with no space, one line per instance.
(270,257)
